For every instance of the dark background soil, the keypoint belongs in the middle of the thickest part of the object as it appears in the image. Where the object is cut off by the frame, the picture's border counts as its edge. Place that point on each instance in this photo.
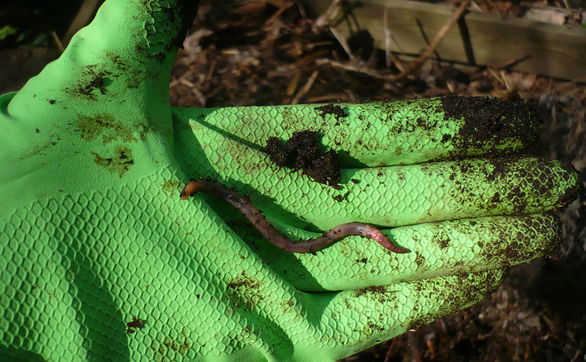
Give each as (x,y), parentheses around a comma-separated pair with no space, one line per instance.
(265,52)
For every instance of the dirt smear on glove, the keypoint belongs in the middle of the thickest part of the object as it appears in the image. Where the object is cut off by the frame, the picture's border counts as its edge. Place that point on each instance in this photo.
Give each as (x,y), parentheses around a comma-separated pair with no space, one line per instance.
(489,121)
(303,152)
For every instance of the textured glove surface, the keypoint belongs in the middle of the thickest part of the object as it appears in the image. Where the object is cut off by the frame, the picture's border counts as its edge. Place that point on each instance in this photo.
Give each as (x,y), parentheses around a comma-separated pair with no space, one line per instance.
(102,260)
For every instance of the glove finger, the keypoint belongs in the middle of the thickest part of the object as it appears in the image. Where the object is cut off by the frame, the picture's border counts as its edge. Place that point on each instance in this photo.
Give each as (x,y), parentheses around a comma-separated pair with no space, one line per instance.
(436,249)
(389,196)
(384,133)
(404,195)
(357,319)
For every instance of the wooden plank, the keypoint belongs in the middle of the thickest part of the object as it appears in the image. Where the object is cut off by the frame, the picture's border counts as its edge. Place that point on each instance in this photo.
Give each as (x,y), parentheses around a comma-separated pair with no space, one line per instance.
(548,49)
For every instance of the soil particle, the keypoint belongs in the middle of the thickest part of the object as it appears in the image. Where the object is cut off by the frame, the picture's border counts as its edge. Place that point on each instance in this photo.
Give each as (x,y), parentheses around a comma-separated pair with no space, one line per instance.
(243,282)
(341,198)
(171,187)
(337,111)
(108,128)
(419,260)
(496,198)
(134,324)
(518,198)
(514,249)
(370,290)
(93,82)
(303,152)
(444,243)
(120,163)
(490,121)
(500,168)
(245,291)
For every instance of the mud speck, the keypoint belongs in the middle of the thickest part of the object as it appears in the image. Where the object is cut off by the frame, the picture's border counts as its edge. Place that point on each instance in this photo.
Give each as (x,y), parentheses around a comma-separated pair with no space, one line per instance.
(108,128)
(120,163)
(303,152)
(134,324)
(95,84)
(171,187)
(243,281)
(341,198)
(444,243)
(370,290)
(337,111)
(245,291)
(496,198)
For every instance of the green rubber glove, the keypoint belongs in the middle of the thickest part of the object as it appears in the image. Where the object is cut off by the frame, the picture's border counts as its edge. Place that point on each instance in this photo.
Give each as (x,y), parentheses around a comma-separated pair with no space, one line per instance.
(102,260)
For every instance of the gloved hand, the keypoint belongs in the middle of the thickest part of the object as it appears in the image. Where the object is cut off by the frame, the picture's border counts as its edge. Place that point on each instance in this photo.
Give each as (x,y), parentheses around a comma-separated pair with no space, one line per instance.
(102,260)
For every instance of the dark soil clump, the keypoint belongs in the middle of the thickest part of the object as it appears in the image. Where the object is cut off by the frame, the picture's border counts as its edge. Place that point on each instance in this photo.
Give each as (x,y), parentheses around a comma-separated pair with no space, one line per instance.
(334,110)
(135,324)
(490,120)
(303,152)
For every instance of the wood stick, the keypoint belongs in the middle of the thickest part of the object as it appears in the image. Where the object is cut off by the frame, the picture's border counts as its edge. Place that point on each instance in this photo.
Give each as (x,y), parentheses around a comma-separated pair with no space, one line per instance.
(303,91)
(411,67)
(417,63)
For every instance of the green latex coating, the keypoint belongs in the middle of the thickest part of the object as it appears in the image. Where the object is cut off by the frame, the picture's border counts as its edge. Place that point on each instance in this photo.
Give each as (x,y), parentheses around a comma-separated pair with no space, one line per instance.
(94,238)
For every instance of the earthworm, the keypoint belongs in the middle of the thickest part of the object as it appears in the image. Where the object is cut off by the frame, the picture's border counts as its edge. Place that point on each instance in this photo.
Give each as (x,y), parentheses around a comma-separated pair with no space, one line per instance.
(255,216)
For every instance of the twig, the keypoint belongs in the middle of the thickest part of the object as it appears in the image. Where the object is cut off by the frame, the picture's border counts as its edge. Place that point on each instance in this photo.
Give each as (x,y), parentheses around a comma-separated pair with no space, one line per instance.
(506,80)
(196,92)
(424,36)
(82,18)
(342,42)
(411,67)
(306,87)
(328,16)
(391,350)
(186,83)
(417,63)
(57,42)
(293,83)
(341,97)
(388,38)
(211,70)
(278,13)
(310,58)
(352,67)
(496,76)
(510,63)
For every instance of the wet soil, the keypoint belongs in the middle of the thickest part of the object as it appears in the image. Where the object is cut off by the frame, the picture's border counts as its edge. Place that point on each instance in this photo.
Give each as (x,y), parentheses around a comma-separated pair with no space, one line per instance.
(489,120)
(303,152)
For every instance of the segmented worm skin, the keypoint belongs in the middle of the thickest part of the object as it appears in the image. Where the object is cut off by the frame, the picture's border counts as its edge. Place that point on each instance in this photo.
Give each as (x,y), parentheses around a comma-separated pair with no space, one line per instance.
(255,216)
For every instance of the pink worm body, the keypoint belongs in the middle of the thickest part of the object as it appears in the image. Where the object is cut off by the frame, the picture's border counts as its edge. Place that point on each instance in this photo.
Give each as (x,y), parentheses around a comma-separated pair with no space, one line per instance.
(255,216)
